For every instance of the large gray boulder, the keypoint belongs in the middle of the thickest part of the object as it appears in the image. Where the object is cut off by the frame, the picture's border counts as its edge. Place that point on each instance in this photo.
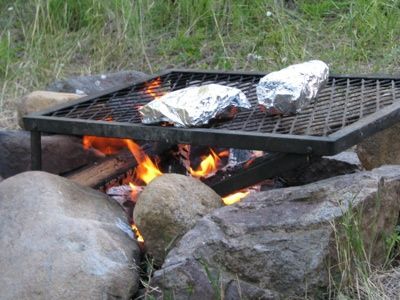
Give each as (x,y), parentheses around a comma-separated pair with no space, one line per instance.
(59,240)
(60,153)
(93,84)
(383,148)
(168,207)
(281,242)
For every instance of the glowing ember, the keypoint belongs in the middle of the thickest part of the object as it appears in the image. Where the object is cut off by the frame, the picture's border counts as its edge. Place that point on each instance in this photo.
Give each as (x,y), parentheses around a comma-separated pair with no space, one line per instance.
(209,165)
(107,146)
(236,197)
(135,191)
(152,88)
(138,236)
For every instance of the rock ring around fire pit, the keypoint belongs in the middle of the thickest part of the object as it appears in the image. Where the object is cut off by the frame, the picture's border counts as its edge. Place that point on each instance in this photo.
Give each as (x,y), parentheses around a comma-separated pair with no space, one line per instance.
(59,240)
(168,207)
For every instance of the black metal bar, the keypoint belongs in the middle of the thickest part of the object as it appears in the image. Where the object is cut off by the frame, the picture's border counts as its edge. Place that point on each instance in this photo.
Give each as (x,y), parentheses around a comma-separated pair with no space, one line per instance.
(198,136)
(378,96)
(361,113)
(369,125)
(269,167)
(346,103)
(330,107)
(36,150)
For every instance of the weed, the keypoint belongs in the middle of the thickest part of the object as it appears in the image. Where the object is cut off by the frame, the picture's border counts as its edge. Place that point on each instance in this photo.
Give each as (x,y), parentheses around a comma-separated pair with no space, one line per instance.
(355,275)
(392,247)
(214,279)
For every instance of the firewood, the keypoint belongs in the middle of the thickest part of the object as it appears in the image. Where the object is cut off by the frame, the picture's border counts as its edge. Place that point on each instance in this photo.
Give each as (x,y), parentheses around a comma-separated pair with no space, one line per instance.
(113,168)
(97,174)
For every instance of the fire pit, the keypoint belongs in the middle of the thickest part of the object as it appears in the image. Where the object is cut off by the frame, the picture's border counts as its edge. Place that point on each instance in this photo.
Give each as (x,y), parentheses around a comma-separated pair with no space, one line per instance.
(347,110)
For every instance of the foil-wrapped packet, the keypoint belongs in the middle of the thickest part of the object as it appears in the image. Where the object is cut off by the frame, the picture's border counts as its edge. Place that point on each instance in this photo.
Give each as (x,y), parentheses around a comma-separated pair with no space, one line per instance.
(289,90)
(194,106)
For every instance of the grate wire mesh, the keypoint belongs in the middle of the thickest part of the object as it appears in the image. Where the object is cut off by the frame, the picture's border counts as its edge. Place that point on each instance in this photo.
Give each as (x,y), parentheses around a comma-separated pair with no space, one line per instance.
(342,102)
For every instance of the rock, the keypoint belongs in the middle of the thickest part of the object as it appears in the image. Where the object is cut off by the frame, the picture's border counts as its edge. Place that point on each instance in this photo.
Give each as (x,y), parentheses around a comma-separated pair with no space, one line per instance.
(59,240)
(41,100)
(380,149)
(323,167)
(282,241)
(60,153)
(90,85)
(168,207)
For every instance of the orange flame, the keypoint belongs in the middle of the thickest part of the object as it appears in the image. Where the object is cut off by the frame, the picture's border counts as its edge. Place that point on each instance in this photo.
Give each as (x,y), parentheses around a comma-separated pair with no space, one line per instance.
(137,233)
(209,165)
(236,197)
(152,88)
(107,146)
(146,170)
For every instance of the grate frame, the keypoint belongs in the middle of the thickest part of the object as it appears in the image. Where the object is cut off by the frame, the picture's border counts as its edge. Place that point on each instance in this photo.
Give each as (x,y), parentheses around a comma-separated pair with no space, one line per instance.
(359,105)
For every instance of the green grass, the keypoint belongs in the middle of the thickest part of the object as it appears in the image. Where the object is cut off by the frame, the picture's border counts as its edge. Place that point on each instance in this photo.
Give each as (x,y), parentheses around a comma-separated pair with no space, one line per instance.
(355,273)
(42,40)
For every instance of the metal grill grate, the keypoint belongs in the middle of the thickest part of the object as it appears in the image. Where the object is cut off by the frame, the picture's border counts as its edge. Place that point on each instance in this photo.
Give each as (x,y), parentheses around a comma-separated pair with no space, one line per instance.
(345,100)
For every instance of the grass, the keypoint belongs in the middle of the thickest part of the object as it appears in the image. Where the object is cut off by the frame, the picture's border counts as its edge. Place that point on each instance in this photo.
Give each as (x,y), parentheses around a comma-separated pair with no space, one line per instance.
(43,40)
(354,276)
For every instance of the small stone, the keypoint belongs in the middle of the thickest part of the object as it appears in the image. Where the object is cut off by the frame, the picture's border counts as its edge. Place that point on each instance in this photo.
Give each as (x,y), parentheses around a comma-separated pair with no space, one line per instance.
(168,207)
(41,100)
(383,148)
(254,57)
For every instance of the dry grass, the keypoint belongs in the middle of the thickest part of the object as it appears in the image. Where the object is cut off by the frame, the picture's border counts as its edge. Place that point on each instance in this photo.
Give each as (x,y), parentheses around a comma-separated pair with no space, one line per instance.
(44,40)
(382,285)
(8,115)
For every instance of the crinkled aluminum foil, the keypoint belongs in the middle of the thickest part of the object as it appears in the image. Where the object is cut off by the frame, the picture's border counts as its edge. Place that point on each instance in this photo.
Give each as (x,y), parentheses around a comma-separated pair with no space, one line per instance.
(289,90)
(194,106)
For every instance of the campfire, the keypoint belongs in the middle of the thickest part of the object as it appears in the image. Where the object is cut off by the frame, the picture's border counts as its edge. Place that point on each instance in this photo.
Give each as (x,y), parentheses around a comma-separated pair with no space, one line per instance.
(147,168)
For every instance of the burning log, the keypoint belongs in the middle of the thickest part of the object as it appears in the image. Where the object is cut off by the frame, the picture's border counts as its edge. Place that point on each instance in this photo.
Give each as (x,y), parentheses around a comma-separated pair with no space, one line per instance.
(113,169)
(103,171)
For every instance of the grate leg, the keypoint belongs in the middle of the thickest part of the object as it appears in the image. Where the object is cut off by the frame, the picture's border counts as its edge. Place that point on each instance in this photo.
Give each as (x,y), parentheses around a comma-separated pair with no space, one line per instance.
(36,150)
(270,166)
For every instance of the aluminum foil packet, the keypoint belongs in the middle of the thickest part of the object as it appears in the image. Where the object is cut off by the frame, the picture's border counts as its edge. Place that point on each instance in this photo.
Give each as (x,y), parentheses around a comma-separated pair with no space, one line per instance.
(289,90)
(194,106)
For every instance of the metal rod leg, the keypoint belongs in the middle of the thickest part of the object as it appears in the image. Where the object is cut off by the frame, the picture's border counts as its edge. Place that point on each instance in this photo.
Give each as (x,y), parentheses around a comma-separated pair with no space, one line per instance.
(36,150)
